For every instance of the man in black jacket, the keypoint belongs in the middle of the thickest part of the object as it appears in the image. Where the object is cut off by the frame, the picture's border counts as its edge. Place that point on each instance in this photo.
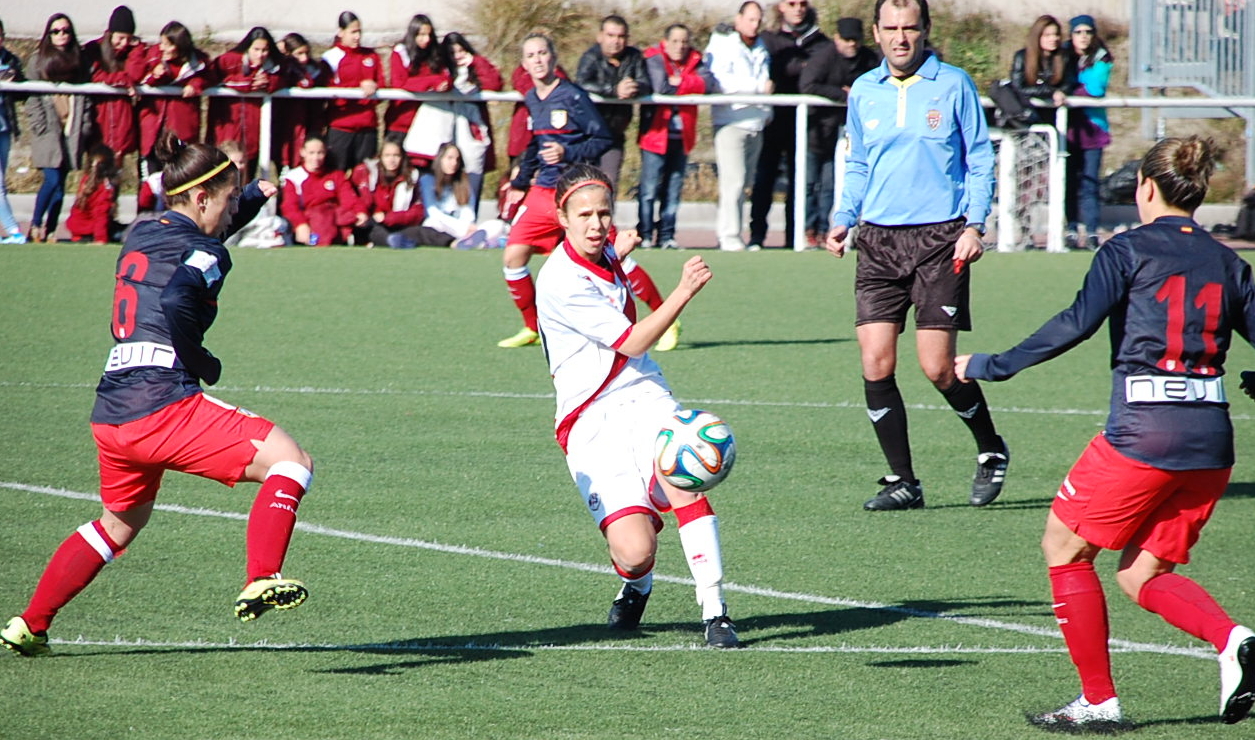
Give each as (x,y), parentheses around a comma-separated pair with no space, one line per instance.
(613,69)
(830,73)
(794,41)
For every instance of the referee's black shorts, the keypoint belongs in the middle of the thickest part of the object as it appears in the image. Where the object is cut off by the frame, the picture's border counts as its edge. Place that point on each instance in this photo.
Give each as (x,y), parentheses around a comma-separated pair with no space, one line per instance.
(901,266)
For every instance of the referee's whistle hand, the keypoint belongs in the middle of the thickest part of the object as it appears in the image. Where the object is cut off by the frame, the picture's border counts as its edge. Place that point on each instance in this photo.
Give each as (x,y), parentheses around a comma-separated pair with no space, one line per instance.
(969,247)
(835,243)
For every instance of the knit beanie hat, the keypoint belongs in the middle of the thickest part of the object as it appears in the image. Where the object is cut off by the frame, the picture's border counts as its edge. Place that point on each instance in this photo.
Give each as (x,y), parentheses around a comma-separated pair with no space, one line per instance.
(121,21)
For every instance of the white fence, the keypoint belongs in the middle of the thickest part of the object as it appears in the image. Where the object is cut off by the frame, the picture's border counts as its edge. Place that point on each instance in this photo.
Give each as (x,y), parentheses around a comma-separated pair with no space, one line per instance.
(1019,216)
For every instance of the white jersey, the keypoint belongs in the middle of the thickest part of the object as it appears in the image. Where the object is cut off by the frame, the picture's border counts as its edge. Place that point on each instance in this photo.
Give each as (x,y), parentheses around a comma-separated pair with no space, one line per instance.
(586,312)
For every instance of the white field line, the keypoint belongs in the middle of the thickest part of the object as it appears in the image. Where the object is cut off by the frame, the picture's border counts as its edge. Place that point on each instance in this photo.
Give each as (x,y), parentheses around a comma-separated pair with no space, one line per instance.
(712,402)
(993,624)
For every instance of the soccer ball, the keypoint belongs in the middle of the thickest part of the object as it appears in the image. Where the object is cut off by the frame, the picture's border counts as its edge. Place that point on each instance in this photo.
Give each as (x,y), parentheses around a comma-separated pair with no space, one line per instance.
(695,450)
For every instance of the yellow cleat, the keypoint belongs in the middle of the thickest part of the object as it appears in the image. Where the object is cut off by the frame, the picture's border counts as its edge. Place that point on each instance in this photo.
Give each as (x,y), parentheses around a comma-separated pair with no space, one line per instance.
(669,339)
(18,637)
(524,338)
(265,594)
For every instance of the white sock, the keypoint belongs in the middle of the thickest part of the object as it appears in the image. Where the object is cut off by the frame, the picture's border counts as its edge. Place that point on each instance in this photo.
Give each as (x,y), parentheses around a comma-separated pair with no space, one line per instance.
(700,540)
(642,584)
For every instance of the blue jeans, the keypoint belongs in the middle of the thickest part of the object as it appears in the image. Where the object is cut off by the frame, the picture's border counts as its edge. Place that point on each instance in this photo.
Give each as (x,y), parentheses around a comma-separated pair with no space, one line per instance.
(48,200)
(7,222)
(1081,195)
(819,189)
(661,174)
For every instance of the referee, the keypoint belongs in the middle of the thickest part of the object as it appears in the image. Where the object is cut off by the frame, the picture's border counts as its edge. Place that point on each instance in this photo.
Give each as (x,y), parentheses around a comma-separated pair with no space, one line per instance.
(920,177)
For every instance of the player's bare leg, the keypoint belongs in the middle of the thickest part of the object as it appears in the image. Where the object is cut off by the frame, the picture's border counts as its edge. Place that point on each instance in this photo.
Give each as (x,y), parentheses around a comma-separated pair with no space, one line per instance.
(633,544)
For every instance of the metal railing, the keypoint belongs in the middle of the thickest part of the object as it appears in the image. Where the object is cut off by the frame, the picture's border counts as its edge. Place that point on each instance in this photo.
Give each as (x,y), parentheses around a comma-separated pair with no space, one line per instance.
(803,104)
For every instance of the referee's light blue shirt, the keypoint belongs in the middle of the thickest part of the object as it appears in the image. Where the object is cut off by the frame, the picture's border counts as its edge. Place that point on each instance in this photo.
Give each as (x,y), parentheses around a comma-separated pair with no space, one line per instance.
(919,149)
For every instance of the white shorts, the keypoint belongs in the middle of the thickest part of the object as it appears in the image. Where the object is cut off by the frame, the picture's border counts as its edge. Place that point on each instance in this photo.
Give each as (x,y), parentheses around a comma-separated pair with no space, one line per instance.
(610,454)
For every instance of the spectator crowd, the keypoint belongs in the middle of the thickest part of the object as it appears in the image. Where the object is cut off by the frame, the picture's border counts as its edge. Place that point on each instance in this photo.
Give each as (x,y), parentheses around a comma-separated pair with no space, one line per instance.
(421,182)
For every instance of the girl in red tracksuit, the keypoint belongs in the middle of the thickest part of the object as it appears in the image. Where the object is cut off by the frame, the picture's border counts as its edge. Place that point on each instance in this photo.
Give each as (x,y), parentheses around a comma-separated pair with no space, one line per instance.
(319,202)
(91,216)
(106,59)
(294,118)
(173,60)
(254,65)
(418,65)
(389,190)
(351,136)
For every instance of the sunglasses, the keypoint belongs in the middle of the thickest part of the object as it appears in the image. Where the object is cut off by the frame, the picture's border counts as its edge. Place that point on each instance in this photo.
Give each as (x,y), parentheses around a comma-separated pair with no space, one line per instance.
(797,3)
(58,31)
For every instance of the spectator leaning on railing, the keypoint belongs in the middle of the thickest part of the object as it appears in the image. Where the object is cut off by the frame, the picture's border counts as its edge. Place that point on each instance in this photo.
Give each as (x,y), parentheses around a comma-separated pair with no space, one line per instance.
(173,60)
(739,61)
(612,69)
(106,59)
(10,71)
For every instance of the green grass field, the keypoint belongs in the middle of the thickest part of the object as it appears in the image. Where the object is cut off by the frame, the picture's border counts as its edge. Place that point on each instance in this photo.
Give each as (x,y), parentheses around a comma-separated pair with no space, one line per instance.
(458,589)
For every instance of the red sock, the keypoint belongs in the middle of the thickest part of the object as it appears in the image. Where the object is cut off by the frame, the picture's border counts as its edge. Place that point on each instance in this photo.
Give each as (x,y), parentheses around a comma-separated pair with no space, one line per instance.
(1187,606)
(691,512)
(644,288)
(523,291)
(272,518)
(75,564)
(1081,610)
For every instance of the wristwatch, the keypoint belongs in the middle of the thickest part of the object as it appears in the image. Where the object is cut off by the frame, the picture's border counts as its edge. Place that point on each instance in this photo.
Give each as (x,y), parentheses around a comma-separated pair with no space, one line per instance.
(979,228)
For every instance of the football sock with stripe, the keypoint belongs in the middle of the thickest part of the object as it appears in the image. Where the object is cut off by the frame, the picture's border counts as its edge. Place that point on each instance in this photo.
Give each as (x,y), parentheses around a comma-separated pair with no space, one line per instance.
(642,284)
(968,401)
(1186,605)
(74,565)
(888,417)
(1081,610)
(699,537)
(273,517)
(642,583)
(523,292)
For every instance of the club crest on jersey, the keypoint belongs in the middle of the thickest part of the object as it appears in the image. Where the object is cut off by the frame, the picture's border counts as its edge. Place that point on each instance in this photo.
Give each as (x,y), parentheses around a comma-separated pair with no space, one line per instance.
(934,119)
(368,62)
(557,119)
(594,502)
(328,185)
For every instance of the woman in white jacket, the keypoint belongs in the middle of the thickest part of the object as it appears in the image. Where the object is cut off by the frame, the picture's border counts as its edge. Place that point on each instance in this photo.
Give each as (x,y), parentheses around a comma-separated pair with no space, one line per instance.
(739,60)
(446,192)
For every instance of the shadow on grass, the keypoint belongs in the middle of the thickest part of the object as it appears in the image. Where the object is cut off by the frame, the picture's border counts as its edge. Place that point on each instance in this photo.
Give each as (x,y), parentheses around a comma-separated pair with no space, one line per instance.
(1240,490)
(920,663)
(999,505)
(763,342)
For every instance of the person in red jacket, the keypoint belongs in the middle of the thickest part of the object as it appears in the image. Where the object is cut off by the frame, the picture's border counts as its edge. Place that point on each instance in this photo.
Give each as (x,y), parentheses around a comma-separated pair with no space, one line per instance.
(175,61)
(319,202)
(106,59)
(418,64)
(91,216)
(253,65)
(351,135)
(389,193)
(668,132)
(294,118)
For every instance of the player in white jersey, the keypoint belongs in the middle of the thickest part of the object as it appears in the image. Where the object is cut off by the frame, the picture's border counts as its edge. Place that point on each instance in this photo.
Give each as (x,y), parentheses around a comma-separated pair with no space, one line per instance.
(612,399)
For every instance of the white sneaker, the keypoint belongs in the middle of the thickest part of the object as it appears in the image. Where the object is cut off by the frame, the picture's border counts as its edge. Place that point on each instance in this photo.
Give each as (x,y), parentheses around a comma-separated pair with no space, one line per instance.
(1081,716)
(754,248)
(732,245)
(1237,675)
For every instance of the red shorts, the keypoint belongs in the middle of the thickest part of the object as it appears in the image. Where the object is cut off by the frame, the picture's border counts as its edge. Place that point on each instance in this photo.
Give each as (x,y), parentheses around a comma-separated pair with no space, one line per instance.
(199,435)
(1114,501)
(536,223)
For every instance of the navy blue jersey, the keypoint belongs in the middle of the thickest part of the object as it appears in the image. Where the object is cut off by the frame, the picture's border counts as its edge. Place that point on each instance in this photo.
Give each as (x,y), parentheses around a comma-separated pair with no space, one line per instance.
(1173,297)
(169,275)
(567,117)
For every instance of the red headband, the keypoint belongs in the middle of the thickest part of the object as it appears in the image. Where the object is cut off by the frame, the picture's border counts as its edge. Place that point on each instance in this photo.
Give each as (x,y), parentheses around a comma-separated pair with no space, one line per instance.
(577,186)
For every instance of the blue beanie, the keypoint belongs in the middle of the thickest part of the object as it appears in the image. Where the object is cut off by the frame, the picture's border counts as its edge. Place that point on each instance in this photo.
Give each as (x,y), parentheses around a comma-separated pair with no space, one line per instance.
(1082,20)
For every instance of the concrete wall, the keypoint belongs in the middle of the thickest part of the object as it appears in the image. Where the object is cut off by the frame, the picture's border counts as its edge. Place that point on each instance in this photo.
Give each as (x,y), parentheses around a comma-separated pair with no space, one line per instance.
(383,20)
